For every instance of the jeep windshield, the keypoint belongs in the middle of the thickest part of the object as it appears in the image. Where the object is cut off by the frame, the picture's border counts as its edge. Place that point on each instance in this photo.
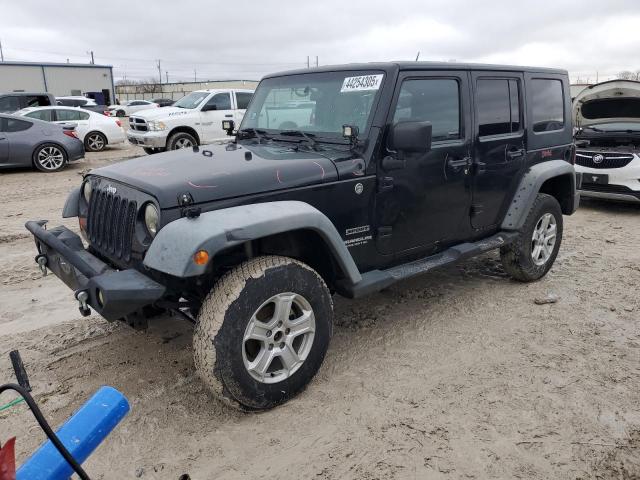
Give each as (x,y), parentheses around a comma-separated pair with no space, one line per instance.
(192,100)
(314,104)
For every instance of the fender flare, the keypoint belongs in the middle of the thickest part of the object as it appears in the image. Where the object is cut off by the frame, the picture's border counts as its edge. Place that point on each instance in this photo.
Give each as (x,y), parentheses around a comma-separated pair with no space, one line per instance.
(70,208)
(529,187)
(172,250)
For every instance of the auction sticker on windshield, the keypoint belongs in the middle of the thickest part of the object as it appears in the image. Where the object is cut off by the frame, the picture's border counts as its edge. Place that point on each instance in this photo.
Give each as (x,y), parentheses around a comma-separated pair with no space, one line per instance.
(363,82)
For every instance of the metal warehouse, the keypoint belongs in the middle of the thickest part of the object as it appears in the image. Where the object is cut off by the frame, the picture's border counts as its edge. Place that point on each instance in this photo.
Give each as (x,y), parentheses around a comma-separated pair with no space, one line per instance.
(60,79)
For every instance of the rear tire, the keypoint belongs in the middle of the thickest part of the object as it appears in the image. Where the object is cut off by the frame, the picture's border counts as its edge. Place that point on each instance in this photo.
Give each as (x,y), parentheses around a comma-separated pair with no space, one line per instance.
(95,142)
(534,251)
(50,158)
(181,140)
(262,332)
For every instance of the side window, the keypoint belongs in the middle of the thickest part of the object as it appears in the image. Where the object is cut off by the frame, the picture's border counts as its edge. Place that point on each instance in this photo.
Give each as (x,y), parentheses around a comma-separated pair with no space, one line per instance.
(547,105)
(243,100)
(222,101)
(436,100)
(83,115)
(46,115)
(37,101)
(14,125)
(9,104)
(67,115)
(498,105)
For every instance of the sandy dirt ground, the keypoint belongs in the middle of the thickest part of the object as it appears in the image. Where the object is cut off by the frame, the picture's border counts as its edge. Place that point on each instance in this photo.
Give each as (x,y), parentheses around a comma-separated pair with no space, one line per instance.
(457,374)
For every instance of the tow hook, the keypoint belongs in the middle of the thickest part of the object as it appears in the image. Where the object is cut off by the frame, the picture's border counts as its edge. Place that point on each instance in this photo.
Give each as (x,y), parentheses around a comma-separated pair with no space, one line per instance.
(42,263)
(82,297)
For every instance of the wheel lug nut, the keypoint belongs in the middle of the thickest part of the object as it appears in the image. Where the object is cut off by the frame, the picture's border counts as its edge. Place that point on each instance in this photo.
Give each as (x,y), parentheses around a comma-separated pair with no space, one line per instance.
(268,333)
(287,331)
(281,344)
(271,346)
(279,324)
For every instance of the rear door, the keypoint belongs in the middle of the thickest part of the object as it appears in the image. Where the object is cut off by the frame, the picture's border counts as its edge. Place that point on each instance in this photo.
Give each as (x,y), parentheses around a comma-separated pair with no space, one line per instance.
(81,119)
(500,145)
(424,205)
(213,112)
(242,101)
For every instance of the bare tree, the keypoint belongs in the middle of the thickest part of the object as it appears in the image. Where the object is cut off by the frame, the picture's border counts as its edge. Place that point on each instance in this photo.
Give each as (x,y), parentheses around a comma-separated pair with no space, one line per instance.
(629,75)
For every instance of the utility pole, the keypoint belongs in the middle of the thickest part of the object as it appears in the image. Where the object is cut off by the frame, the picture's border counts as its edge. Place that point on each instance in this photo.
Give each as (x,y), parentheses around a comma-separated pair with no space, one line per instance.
(159,72)
(92,61)
(195,78)
(1,54)
(316,60)
(417,56)
(308,66)
(166,77)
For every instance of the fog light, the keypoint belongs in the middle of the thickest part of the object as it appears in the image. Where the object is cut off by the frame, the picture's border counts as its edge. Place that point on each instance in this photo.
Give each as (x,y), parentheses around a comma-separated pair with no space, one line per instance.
(201,257)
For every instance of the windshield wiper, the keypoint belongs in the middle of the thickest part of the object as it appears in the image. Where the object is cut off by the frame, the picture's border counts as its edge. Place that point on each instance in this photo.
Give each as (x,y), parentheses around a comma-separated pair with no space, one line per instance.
(254,132)
(309,137)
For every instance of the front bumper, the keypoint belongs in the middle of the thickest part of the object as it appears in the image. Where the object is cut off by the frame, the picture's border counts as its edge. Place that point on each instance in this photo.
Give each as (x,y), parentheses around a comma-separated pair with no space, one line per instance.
(112,293)
(148,139)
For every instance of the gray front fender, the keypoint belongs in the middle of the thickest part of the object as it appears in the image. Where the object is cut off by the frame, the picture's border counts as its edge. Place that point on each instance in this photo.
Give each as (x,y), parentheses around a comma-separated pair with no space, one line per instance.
(530,186)
(173,248)
(70,209)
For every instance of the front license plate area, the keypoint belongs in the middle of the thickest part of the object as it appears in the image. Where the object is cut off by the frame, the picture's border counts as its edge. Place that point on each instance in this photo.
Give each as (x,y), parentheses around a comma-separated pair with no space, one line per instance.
(597,178)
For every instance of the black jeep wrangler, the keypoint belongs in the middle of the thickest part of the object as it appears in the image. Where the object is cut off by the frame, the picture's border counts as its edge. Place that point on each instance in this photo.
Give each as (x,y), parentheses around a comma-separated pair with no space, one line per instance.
(340,179)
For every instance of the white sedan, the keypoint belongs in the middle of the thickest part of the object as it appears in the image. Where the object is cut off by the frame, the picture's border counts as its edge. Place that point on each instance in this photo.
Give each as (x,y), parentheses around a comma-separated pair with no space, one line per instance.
(94,129)
(129,107)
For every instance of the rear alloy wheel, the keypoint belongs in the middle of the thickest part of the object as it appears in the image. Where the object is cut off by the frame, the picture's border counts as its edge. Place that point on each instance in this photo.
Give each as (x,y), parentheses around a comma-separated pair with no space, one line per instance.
(95,142)
(49,158)
(263,332)
(181,140)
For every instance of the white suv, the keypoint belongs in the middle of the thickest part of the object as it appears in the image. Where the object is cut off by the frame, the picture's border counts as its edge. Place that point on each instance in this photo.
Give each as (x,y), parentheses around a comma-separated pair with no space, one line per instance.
(607,117)
(195,119)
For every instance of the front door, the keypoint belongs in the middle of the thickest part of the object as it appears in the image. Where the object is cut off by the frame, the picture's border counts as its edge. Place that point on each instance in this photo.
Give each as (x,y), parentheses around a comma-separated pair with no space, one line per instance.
(217,109)
(500,146)
(423,205)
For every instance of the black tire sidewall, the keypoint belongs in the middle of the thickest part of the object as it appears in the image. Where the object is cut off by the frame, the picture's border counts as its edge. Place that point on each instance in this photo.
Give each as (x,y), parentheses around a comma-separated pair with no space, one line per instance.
(229,366)
(46,170)
(86,141)
(177,136)
(544,204)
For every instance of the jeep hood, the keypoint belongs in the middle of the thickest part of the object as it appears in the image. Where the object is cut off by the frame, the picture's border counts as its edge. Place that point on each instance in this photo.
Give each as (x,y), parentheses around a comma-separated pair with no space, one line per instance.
(162,113)
(615,101)
(215,172)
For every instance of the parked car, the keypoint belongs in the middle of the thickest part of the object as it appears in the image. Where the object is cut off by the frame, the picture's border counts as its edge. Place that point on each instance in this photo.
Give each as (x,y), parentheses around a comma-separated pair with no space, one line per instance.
(27,142)
(607,118)
(82,102)
(403,168)
(195,119)
(94,129)
(14,101)
(163,102)
(129,107)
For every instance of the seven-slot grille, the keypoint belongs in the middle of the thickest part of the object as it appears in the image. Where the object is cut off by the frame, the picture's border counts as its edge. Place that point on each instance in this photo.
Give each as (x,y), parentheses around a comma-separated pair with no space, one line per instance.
(137,124)
(111,224)
(603,160)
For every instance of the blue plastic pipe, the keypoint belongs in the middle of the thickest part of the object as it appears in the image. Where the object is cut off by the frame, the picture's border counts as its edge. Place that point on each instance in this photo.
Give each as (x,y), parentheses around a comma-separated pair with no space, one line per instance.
(81,434)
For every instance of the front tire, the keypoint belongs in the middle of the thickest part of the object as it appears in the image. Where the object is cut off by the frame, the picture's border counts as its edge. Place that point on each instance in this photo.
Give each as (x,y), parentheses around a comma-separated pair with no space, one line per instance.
(263,332)
(181,140)
(534,251)
(49,158)
(95,142)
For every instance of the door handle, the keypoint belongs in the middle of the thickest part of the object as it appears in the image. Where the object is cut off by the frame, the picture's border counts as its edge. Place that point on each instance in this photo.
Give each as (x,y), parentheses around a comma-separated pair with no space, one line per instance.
(515,153)
(229,115)
(457,163)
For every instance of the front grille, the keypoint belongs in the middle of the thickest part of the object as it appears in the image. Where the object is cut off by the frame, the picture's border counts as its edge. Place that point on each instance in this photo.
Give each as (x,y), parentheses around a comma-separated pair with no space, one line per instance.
(111,224)
(138,124)
(604,160)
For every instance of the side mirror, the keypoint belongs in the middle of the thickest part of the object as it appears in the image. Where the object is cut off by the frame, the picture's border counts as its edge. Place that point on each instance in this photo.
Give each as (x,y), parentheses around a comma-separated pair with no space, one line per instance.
(208,108)
(229,126)
(411,137)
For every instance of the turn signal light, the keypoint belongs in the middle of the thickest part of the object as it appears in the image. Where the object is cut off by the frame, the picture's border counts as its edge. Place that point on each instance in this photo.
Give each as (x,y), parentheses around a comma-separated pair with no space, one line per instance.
(201,257)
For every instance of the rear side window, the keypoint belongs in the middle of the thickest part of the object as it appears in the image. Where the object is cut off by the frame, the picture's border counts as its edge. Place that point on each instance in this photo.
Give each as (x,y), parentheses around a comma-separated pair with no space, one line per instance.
(435,100)
(547,105)
(243,100)
(498,104)
(46,115)
(9,104)
(37,101)
(67,115)
(13,125)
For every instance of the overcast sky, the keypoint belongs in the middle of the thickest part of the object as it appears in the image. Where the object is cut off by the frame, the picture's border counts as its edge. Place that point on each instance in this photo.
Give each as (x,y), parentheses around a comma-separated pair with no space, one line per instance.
(244,40)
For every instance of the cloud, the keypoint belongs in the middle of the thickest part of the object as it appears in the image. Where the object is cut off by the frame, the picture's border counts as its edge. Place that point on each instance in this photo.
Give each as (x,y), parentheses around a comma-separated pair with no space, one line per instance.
(249,39)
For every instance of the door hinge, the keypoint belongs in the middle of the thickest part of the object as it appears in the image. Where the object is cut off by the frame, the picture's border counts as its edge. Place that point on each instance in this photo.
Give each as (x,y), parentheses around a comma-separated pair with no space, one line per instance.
(385,184)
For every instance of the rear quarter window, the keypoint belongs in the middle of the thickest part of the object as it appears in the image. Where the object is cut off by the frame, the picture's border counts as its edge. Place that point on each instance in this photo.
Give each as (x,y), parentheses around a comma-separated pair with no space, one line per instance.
(547,105)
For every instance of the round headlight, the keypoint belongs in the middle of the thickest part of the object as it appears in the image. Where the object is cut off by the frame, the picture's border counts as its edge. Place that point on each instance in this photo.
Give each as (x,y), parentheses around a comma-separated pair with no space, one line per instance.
(86,190)
(151,218)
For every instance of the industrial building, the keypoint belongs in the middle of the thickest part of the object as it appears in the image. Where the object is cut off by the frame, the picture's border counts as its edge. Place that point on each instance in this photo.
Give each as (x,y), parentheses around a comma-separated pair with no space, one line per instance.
(175,90)
(59,79)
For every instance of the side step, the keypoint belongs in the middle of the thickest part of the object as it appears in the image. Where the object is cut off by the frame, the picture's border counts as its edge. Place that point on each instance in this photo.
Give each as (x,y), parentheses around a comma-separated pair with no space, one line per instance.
(376,280)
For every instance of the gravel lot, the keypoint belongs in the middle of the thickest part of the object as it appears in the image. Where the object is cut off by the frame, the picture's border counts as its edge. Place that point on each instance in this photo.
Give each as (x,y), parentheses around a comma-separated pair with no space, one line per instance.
(457,374)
